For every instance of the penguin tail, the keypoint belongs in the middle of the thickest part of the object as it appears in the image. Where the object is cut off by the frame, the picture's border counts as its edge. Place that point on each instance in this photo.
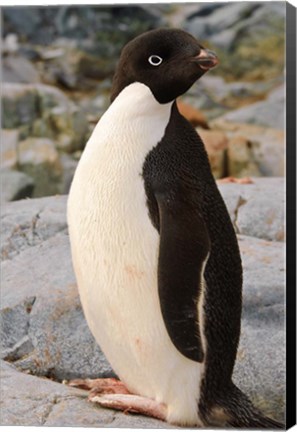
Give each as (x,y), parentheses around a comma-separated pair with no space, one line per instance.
(256,420)
(241,413)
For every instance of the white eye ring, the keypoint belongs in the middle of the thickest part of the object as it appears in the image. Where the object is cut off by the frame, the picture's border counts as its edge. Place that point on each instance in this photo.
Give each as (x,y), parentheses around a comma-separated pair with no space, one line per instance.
(155,60)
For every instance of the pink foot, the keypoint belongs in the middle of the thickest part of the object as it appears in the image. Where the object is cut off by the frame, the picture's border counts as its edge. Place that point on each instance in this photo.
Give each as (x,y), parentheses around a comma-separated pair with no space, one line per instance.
(132,403)
(100,386)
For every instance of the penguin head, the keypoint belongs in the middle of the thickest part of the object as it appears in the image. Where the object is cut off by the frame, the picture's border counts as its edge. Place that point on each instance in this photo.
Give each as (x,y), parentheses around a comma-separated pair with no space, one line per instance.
(168,61)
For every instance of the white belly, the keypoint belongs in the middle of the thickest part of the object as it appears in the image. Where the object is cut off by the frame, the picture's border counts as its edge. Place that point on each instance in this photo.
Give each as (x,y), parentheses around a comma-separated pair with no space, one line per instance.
(115,256)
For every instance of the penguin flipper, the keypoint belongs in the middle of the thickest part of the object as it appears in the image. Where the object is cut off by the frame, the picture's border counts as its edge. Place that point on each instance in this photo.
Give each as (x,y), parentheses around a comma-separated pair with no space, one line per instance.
(184,246)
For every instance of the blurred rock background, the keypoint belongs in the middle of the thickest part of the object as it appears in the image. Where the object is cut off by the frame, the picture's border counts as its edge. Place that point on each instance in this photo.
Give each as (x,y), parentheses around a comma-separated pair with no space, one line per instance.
(57,67)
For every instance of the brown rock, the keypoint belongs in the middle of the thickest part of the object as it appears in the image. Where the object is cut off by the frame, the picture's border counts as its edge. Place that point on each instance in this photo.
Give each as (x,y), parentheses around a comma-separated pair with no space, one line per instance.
(194,116)
(39,158)
(240,158)
(216,143)
(265,145)
(8,150)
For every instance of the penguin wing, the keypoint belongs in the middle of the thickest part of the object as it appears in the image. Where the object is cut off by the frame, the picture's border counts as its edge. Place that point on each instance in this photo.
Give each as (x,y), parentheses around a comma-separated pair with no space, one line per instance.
(184,246)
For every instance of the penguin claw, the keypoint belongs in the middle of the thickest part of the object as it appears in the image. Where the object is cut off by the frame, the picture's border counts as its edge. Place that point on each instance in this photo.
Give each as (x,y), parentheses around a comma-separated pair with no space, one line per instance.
(100,386)
(129,403)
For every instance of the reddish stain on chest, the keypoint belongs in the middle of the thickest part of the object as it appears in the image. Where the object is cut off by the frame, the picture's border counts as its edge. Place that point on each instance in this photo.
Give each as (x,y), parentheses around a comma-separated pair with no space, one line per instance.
(133,272)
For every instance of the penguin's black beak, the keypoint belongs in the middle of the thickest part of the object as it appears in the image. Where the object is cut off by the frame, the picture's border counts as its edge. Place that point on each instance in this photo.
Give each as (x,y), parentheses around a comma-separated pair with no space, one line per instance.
(206,59)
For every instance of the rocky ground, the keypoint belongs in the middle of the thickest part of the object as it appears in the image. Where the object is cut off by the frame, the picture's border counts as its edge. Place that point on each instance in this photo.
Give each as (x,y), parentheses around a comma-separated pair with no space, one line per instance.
(44,333)
(57,66)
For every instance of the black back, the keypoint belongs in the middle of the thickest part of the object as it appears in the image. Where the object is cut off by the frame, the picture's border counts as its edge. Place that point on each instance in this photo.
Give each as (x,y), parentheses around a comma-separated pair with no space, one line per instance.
(180,187)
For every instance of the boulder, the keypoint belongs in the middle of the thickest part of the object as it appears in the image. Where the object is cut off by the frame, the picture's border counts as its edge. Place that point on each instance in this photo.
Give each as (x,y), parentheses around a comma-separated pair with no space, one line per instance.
(262,336)
(72,68)
(257,209)
(57,328)
(27,400)
(10,44)
(22,219)
(218,19)
(215,143)
(9,144)
(264,145)
(39,158)
(19,105)
(269,113)
(39,110)
(15,185)
(69,165)
(243,33)
(240,160)
(17,69)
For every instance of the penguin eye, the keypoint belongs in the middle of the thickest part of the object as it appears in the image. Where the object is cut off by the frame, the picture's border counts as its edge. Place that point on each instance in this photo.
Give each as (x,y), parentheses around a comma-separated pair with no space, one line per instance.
(155,60)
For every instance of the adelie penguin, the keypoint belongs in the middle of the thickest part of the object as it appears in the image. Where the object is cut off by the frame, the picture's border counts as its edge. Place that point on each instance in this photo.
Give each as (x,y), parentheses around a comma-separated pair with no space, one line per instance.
(154,251)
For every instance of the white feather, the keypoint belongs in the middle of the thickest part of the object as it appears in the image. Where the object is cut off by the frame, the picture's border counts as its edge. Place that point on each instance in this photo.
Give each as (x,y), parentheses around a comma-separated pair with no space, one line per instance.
(115,254)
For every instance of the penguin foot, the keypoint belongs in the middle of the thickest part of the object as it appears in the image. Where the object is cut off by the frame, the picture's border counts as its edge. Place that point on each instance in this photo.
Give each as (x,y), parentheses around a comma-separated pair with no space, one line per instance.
(244,180)
(132,404)
(100,386)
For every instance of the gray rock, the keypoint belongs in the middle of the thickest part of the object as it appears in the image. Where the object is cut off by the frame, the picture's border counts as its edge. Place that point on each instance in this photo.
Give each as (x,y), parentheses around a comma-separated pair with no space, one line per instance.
(29,223)
(19,105)
(260,367)
(17,69)
(46,333)
(14,339)
(56,327)
(220,19)
(69,166)
(267,19)
(213,94)
(39,110)
(10,44)
(269,112)
(225,39)
(15,185)
(263,289)
(30,401)
(39,158)
(277,94)
(8,150)
(257,209)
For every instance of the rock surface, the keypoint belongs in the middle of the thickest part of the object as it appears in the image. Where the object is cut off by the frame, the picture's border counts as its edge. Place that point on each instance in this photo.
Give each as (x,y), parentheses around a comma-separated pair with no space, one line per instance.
(8,150)
(44,332)
(265,148)
(40,125)
(18,69)
(43,111)
(42,402)
(216,144)
(257,209)
(15,185)
(270,112)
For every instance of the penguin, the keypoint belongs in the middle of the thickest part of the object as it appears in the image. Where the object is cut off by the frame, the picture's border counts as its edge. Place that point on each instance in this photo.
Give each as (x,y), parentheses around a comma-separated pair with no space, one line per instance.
(154,251)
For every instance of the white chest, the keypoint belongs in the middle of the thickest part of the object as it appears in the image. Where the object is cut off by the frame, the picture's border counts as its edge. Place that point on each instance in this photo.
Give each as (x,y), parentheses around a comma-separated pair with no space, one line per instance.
(114,245)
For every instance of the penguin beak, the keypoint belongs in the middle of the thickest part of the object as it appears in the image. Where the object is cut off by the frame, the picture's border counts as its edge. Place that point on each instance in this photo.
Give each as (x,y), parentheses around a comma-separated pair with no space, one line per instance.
(206,59)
